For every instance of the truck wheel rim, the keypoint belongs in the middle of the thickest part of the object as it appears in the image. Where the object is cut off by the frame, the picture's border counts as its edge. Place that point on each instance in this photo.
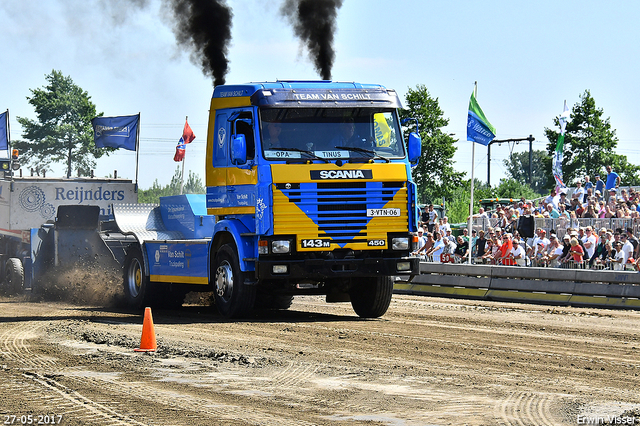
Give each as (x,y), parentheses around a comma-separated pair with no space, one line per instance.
(135,278)
(224,280)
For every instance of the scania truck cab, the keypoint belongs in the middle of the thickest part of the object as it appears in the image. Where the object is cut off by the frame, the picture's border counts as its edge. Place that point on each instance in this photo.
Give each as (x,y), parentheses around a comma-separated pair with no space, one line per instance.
(310,185)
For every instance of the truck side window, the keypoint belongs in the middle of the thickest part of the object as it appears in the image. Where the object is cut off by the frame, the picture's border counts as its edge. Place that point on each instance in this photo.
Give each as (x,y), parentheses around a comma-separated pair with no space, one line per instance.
(243,128)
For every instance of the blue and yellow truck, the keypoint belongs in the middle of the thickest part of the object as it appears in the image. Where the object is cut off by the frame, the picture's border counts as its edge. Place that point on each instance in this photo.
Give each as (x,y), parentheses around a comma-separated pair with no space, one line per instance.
(309,192)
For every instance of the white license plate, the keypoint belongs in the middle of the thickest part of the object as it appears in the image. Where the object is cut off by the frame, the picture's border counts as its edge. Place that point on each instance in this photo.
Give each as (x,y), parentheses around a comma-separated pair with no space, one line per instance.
(382,212)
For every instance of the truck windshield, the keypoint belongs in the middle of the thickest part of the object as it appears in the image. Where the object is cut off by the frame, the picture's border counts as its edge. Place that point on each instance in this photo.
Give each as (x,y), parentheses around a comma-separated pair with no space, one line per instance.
(330,133)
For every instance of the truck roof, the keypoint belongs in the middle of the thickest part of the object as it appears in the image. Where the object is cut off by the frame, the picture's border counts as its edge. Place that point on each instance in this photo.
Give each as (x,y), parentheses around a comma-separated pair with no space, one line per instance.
(297,94)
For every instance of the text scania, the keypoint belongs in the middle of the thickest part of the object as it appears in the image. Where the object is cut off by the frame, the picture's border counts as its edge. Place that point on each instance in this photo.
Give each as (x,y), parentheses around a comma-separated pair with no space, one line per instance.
(80,194)
(341,174)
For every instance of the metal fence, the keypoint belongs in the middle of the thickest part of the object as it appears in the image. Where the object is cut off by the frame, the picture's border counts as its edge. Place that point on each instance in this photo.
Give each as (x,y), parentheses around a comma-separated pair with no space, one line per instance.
(561,225)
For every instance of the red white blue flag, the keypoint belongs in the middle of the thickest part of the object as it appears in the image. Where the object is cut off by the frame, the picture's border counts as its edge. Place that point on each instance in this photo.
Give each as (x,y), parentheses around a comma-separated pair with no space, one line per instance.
(180,151)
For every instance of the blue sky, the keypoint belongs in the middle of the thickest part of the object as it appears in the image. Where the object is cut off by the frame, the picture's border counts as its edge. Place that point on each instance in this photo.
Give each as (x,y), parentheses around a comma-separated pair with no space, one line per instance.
(527,59)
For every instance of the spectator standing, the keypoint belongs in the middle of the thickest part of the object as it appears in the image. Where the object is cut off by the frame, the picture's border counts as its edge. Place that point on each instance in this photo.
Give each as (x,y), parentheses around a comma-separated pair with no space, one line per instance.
(449,247)
(552,198)
(461,252)
(587,183)
(481,244)
(473,241)
(422,239)
(613,181)
(504,253)
(424,217)
(599,185)
(444,226)
(554,253)
(422,250)
(449,236)
(518,253)
(617,258)
(627,248)
(566,249)
(437,248)
(576,250)
(590,241)
(563,200)
(600,249)
(579,191)
(433,218)
(635,242)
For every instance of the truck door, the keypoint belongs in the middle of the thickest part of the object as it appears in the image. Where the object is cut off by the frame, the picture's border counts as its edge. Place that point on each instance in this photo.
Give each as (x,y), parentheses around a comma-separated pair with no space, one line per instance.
(241,178)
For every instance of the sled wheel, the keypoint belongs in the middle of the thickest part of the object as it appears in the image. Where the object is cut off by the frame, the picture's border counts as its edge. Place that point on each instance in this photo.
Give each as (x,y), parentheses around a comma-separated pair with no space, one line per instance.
(136,284)
(14,276)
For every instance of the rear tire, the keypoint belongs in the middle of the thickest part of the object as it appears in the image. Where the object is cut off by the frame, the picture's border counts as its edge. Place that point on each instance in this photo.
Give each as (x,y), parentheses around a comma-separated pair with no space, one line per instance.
(371,297)
(232,297)
(14,276)
(136,284)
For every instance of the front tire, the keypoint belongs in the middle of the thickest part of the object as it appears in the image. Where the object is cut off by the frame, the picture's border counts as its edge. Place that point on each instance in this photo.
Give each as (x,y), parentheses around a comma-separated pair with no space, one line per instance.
(371,297)
(14,276)
(136,284)
(233,298)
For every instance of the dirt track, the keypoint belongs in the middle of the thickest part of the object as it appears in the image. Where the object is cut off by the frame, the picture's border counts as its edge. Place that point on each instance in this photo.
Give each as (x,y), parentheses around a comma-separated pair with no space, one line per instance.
(426,362)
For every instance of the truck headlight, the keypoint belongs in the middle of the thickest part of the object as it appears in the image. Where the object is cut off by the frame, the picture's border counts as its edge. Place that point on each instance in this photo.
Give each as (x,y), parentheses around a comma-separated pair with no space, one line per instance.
(280,246)
(403,266)
(400,243)
(280,269)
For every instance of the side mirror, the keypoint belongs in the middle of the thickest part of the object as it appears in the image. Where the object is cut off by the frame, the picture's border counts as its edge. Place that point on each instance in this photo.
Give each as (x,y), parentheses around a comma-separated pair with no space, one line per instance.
(415,148)
(239,150)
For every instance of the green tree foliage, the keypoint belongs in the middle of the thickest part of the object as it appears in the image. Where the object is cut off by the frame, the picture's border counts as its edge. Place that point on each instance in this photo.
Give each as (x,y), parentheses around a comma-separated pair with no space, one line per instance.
(457,209)
(192,185)
(510,188)
(518,169)
(62,132)
(434,173)
(589,145)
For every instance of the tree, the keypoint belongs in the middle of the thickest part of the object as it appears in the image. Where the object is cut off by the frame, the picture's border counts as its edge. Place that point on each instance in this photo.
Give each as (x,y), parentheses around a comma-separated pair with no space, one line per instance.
(62,131)
(589,145)
(518,169)
(193,185)
(458,207)
(434,174)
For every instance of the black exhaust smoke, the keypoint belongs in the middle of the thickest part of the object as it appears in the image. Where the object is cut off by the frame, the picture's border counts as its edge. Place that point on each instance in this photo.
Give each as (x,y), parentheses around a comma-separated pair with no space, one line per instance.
(204,26)
(314,22)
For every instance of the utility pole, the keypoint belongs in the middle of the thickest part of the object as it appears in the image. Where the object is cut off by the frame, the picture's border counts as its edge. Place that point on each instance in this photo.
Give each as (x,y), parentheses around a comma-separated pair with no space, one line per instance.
(530,139)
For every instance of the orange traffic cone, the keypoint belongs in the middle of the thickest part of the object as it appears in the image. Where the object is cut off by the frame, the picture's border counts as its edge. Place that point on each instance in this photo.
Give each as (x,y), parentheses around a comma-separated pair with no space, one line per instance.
(148,340)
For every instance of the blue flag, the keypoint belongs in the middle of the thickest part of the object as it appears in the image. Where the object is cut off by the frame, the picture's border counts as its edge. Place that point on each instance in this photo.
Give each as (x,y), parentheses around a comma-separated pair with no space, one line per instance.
(478,127)
(4,130)
(116,132)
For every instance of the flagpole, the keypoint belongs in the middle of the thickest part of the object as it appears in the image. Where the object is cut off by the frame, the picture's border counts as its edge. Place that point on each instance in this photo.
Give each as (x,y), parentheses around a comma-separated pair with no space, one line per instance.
(137,151)
(473,162)
(8,135)
(183,158)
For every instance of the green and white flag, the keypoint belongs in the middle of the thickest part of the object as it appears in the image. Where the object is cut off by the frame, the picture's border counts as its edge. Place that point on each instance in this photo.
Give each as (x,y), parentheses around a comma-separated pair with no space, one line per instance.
(557,159)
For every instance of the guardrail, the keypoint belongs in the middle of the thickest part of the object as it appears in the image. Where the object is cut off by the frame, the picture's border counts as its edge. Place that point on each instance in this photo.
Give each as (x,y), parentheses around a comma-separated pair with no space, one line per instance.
(560,225)
(575,287)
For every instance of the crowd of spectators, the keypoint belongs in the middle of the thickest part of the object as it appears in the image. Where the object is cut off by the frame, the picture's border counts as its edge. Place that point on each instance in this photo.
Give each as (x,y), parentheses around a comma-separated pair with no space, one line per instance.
(507,241)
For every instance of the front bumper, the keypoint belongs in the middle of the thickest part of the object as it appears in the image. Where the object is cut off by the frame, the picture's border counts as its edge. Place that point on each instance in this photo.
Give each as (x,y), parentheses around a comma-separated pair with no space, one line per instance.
(322,269)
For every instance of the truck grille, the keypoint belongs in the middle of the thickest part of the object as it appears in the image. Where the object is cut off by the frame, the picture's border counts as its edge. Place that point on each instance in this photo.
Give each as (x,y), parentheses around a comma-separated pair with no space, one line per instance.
(338,210)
